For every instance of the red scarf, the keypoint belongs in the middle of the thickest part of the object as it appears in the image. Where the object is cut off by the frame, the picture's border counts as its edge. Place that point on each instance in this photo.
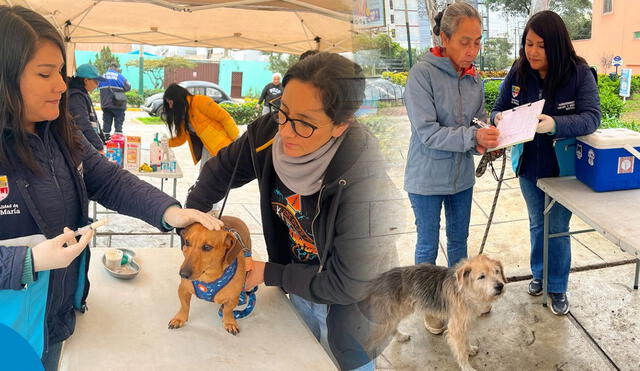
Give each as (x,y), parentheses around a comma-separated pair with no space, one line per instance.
(437,51)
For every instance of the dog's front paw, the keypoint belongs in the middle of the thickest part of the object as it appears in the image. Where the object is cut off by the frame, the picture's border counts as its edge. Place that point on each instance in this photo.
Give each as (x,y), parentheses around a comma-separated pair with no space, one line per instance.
(232,328)
(176,323)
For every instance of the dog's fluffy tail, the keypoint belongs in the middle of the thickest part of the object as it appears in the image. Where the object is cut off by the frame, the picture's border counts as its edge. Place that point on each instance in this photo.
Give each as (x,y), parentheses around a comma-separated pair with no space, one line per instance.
(385,303)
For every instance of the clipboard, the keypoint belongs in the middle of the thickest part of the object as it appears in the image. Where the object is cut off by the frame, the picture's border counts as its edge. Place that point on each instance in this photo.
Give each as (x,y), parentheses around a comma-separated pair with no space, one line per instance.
(518,125)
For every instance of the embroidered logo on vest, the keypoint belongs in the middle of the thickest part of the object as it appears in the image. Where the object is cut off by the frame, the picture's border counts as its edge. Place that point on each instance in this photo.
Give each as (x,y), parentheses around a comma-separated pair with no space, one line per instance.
(4,187)
(515,90)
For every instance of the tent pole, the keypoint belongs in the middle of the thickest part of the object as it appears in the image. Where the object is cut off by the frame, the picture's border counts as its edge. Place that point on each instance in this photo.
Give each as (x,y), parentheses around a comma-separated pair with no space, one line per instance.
(141,72)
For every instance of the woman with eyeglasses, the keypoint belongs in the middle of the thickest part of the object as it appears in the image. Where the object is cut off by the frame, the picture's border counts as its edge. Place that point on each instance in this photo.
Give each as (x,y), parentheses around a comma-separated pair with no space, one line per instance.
(199,120)
(315,167)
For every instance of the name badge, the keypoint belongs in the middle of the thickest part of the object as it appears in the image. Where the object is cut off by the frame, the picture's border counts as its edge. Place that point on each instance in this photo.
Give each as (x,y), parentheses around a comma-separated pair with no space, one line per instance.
(567,106)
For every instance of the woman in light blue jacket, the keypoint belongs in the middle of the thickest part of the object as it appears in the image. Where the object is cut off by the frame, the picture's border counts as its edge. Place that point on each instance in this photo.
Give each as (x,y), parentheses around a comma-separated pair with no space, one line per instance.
(443,94)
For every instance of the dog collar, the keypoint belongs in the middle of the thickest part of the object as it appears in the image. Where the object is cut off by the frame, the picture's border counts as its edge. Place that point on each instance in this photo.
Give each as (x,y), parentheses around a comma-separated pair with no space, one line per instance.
(208,290)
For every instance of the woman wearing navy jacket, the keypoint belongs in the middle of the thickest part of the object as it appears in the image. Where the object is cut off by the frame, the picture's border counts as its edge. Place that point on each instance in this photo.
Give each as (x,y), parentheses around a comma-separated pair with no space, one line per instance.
(549,68)
(48,174)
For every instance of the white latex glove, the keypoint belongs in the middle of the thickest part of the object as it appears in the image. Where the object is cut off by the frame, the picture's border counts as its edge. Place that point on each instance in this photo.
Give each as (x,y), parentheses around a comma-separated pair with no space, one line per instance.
(547,124)
(497,119)
(51,254)
(178,217)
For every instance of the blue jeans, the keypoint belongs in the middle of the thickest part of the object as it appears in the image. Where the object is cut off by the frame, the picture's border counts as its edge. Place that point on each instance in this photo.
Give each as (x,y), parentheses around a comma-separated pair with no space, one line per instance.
(315,317)
(559,247)
(457,208)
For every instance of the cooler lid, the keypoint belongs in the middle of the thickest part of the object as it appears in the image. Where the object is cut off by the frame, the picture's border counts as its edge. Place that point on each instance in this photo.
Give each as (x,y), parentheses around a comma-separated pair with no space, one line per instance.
(611,138)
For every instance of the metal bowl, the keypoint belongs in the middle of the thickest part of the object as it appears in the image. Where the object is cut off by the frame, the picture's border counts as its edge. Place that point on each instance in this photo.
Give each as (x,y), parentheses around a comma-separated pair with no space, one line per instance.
(126,271)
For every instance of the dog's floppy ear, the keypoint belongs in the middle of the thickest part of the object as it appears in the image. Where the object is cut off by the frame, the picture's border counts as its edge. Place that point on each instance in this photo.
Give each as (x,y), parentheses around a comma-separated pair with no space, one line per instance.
(232,246)
(182,232)
(462,272)
(504,279)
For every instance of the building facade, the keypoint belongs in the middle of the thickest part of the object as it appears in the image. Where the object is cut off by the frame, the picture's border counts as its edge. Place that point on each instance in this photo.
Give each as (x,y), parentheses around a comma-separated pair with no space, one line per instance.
(615,31)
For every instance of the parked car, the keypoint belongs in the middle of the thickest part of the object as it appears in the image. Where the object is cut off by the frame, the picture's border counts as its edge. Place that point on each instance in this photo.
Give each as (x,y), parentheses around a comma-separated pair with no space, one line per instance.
(153,104)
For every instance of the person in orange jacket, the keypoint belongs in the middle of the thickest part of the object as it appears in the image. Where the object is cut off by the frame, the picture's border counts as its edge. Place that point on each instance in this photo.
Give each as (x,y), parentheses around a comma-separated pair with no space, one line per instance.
(199,120)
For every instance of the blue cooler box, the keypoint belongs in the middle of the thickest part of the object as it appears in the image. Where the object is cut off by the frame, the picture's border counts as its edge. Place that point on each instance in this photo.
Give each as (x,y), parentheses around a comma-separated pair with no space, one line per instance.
(609,159)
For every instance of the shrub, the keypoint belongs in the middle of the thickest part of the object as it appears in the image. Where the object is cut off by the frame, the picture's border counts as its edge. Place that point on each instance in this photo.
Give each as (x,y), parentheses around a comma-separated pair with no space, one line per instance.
(606,83)
(150,92)
(491,92)
(611,105)
(399,78)
(635,84)
(133,99)
(612,122)
(493,74)
(243,113)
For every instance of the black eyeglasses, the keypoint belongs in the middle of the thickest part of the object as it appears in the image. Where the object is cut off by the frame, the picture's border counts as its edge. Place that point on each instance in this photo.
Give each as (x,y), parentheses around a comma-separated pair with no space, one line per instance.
(301,128)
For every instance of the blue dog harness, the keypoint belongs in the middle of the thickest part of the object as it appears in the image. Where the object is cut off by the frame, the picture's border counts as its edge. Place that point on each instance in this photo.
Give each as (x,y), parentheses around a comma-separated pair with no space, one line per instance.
(208,290)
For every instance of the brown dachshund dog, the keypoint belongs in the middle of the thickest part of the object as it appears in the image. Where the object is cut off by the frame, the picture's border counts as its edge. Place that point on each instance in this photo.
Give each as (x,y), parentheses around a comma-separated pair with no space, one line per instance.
(206,256)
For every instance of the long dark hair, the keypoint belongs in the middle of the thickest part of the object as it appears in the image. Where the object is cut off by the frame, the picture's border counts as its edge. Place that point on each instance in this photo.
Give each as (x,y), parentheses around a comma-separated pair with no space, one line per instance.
(21,29)
(77,83)
(340,80)
(176,118)
(561,56)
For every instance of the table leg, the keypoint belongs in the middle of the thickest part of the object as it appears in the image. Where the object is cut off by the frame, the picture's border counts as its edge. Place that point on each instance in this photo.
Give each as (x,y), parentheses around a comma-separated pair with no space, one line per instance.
(175,187)
(162,184)
(635,284)
(545,253)
(94,217)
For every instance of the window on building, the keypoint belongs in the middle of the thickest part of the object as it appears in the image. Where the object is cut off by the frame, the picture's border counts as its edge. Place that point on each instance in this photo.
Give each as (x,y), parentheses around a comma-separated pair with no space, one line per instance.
(636,35)
(390,4)
(391,19)
(607,6)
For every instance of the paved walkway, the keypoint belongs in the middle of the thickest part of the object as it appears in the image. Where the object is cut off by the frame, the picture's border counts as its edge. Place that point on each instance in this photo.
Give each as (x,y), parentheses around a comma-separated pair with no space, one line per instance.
(602,330)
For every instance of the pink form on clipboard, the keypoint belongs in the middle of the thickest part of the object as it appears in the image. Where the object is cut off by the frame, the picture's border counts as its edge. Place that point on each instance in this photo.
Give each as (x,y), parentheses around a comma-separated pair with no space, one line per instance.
(518,125)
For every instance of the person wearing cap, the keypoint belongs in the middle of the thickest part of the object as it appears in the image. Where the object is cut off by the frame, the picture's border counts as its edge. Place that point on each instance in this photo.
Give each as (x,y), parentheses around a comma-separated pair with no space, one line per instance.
(81,108)
(112,108)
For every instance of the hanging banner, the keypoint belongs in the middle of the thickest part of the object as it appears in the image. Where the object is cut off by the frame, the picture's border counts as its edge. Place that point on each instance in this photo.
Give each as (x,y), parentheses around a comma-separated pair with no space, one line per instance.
(625,83)
(368,13)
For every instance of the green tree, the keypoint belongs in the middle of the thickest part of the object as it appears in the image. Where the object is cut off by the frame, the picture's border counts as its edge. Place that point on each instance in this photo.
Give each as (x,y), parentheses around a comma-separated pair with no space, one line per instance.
(511,7)
(379,52)
(103,59)
(496,54)
(281,62)
(156,68)
(576,14)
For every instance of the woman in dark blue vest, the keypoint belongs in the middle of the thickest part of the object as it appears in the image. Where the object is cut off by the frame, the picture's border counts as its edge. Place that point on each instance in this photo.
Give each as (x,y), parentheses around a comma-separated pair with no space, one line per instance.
(48,174)
(549,68)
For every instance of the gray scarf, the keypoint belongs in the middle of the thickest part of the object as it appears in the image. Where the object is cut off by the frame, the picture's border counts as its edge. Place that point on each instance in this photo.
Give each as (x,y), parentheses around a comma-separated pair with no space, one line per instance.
(304,174)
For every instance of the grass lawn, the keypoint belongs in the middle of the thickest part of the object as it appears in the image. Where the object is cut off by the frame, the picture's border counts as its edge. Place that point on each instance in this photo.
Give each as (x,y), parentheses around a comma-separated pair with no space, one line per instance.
(632,109)
(152,120)
(629,119)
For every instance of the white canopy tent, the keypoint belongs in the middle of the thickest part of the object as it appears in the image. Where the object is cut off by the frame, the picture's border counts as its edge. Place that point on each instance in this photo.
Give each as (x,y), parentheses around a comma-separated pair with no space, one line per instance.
(288,26)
